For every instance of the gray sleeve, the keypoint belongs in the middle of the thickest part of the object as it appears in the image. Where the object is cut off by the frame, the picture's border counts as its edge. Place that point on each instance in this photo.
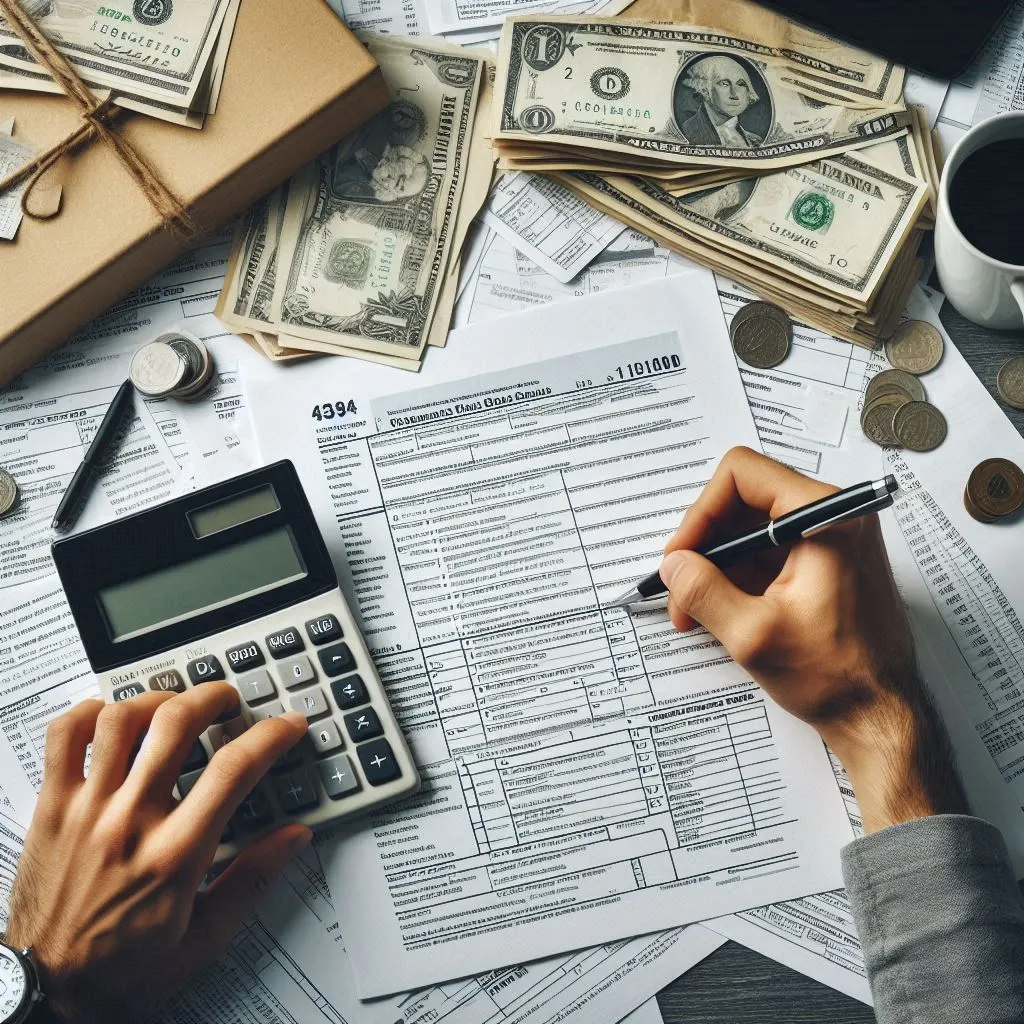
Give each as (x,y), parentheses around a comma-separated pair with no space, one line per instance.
(941,921)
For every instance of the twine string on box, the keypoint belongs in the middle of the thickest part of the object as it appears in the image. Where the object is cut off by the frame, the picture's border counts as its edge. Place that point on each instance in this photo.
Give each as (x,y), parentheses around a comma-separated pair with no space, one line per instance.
(97,117)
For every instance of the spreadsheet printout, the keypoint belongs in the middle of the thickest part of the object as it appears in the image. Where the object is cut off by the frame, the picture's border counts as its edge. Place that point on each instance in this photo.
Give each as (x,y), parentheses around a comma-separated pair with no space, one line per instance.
(586,772)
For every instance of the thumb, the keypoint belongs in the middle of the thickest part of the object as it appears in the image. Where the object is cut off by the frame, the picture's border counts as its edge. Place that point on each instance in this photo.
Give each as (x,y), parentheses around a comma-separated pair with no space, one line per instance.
(700,593)
(222,909)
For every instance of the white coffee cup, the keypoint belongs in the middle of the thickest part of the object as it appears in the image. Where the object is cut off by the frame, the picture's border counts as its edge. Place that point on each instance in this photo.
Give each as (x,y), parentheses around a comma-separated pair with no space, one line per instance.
(983,289)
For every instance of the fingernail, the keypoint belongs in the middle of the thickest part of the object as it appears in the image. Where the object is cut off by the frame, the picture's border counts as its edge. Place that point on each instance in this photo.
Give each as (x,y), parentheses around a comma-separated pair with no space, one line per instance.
(670,565)
(300,841)
(294,718)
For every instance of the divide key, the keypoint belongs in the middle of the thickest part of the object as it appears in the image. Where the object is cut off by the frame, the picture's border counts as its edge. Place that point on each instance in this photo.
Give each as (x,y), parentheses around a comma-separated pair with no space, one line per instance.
(336,660)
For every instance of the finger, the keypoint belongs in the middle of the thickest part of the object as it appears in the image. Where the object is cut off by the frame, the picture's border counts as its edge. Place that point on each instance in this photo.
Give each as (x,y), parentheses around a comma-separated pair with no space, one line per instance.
(202,816)
(175,728)
(67,740)
(119,729)
(701,593)
(744,480)
(222,909)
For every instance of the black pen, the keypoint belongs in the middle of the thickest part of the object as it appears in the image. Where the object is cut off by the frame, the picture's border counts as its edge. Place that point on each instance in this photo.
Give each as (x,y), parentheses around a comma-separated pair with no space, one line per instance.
(851,503)
(82,480)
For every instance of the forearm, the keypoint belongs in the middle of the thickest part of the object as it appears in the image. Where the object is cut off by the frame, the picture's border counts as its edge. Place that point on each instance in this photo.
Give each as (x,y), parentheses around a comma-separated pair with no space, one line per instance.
(941,922)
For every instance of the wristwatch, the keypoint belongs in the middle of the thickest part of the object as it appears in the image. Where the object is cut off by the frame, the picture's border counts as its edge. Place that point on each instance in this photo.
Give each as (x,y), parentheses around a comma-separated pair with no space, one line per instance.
(21,994)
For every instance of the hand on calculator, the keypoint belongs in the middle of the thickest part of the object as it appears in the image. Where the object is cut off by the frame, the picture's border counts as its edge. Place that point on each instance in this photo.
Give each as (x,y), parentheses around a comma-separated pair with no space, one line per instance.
(106,893)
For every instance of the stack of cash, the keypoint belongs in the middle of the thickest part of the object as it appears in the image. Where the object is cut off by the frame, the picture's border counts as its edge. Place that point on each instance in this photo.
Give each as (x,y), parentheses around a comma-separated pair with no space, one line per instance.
(358,254)
(803,174)
(164,58)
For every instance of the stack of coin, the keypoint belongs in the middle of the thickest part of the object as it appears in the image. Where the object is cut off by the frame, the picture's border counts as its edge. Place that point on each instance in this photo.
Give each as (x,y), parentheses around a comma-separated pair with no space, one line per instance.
(761,333)
(896,410)
(172,366)
(1010,382)
(8,493)
(995,490)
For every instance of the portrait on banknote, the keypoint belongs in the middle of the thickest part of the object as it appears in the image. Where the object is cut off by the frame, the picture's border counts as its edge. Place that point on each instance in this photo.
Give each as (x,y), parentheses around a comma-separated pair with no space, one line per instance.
(722,100)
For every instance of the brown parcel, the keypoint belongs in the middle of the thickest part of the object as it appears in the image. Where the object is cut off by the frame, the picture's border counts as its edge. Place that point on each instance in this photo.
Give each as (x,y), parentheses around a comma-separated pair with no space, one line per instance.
(278,109)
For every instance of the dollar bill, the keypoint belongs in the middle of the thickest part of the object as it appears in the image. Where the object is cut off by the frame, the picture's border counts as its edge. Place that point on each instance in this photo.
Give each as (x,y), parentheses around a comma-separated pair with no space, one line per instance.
(160,50)
(369,229)
(667,94)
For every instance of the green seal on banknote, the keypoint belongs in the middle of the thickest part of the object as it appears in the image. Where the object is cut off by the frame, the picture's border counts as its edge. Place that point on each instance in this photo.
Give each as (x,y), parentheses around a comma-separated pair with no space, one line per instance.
(813,211)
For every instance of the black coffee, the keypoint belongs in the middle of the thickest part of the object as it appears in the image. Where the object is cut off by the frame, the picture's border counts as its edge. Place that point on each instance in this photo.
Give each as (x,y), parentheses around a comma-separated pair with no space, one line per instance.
(986,198)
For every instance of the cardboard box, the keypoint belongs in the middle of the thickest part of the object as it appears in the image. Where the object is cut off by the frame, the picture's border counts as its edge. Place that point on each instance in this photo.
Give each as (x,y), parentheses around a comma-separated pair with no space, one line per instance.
(296,82)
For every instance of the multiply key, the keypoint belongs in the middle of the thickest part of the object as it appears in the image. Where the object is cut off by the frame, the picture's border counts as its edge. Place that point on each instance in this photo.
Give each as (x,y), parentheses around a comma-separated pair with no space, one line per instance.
(336,660)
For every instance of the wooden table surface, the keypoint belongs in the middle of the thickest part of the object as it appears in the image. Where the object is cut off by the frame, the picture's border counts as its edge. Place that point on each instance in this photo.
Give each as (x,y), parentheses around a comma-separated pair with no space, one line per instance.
(737,986)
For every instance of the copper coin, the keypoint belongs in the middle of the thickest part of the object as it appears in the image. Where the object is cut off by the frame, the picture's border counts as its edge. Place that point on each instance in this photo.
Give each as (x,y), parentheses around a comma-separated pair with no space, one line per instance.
(915,346)
(996,487)
(919,426)
(890,382)
(877,416)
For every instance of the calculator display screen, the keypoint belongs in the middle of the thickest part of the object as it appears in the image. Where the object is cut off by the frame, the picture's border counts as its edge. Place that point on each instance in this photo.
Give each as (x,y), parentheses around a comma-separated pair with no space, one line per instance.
(200,584)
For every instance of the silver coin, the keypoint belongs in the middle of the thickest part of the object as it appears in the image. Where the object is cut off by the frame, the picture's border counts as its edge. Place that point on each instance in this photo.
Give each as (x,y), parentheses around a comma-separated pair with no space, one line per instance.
(761,308)
(1010,382)
(761,342)
(915,346)
(156,370)
(876,418)
(203,374)
(190,352)
(8,492)
(919,426)
(895,382)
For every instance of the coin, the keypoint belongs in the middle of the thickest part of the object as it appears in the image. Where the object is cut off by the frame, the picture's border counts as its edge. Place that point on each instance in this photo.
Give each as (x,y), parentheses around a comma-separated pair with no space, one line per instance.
(760,308)
(890,382)
(761,341)
(1010,382)
(8,492)
(204,375)
(915,346)
(877,416)
(190,352)
(919,426)
(995,488)
(156,370)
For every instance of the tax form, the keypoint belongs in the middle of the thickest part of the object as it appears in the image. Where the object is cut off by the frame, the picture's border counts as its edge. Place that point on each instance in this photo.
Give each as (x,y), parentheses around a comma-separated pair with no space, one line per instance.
(587,773)
(549,223)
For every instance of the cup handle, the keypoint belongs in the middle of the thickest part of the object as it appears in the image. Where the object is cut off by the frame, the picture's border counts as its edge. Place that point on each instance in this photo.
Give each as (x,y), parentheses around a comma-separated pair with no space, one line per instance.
(1017,291)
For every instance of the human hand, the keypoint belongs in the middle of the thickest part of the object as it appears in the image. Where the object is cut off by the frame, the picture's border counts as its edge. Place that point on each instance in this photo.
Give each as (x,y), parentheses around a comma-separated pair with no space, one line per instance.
(821,627)
(106,890)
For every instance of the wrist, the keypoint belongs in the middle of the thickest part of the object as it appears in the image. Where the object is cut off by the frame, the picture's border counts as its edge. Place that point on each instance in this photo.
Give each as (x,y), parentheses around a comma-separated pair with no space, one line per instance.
(898,757)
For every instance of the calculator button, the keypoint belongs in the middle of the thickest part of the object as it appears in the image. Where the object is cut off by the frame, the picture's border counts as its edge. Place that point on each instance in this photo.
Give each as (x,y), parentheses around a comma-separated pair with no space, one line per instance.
(337,776)
(324,629)
(244,657)
(221,735)
(337,659)
(378,761)
(296,791)
(256,686)
(254,811)
(204,670)
(196,758)
(363,725)
(127,692)
(325,736)
(296,671)
(289,758)
(284,642)
(187,780)
(265,711)
(168,681)
(310,703)
(349,692)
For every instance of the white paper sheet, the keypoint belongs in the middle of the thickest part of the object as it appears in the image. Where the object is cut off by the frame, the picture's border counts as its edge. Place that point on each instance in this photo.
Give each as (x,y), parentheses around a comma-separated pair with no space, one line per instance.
(549,734)
(12,842)
(392,17)
(447,16)
(549,224)
(13,155)
(502,281)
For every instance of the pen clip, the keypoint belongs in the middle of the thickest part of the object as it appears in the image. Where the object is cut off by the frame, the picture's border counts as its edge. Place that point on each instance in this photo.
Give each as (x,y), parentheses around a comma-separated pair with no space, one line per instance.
(873,505)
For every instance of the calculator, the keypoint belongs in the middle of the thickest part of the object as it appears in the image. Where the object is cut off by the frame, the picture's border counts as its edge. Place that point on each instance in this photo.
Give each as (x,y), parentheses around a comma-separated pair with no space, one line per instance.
(234,582)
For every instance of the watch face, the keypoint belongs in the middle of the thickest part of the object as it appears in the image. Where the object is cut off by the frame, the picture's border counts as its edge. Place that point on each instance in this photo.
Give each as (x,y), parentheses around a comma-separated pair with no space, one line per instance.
(13,984)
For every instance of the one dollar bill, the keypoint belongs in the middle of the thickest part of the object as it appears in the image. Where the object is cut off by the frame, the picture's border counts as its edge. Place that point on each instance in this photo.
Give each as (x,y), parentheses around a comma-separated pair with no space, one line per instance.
(666,94)
(369,229)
